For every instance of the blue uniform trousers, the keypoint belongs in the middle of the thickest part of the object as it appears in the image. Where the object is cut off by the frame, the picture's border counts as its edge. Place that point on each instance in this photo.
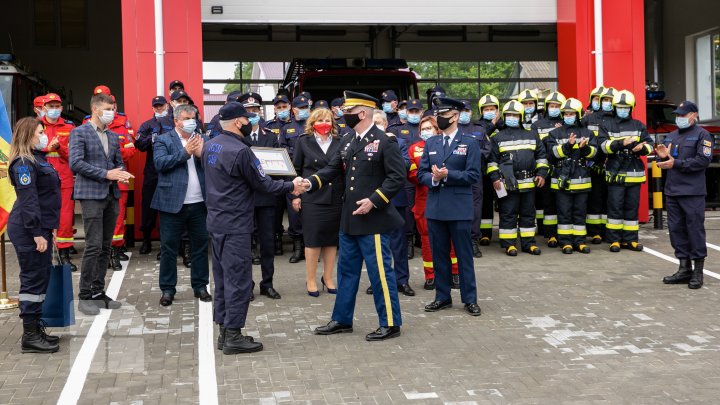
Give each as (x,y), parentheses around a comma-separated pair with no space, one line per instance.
(34,270)
(407,213)
(457,232)
(264,225)
(374,250)
(399,248)
(686,222)
(232,273)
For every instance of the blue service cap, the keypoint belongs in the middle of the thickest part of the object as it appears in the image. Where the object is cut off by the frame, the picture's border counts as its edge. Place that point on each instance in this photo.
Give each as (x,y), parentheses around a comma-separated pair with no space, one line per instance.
(234,95)
(443,104)
(320,104)
(337,102)
(402,104)
(280,98)
(300,102)
(233,110)
(179,94)
(686,107)
(250,100)
(388,95)
(158,100)
(307,95)
(467,105)
(414,104)
(176,83)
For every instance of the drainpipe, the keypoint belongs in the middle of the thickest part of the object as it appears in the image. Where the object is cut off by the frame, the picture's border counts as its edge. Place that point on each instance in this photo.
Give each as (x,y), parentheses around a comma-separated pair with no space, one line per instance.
(598,43)
(159,50)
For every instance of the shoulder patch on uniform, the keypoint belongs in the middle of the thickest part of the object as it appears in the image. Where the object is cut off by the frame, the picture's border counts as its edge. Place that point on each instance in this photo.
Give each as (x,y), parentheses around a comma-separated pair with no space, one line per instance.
(290,130)
(23,173)
(260,168)
(707,143)
(404,131)
(707,151)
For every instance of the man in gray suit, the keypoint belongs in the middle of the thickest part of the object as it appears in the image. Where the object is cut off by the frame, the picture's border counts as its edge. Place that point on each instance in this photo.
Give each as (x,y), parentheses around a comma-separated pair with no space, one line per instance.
(96,161)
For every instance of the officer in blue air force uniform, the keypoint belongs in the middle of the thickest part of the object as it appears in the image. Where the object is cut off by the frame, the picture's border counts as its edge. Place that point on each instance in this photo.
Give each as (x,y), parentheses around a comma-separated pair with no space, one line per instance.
(374,173)
(449,167)
(232,176)
(685,154)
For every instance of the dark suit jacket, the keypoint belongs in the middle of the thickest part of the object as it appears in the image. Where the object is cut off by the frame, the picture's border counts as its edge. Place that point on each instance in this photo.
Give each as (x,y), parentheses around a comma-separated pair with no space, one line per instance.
(308,159)
(170,160)
(90,163)
(451,200)
(373,169)
(266,139)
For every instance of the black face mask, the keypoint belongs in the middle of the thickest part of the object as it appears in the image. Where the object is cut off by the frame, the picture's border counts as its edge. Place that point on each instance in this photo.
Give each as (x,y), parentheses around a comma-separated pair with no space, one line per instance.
(352,119)
(246,129)
(443,122)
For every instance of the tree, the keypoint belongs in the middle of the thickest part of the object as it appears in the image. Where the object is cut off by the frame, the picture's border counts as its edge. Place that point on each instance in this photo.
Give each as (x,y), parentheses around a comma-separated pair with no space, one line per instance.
(472,89)
(246,69)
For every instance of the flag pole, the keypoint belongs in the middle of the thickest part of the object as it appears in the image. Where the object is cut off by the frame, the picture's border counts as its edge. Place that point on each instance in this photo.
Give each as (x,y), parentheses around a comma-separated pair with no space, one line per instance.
(5,301)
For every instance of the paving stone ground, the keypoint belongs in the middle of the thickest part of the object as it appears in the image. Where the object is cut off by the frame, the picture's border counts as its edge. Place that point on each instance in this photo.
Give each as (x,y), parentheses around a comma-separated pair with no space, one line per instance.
(555,329)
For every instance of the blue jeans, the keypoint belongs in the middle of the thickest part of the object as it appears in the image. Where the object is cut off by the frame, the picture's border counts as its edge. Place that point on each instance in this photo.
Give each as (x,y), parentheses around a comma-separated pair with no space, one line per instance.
(191,217)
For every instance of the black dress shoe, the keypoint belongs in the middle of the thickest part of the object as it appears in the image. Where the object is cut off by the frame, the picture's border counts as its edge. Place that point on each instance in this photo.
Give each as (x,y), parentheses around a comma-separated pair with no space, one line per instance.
(256,258)
(369,291)
(383,333)
(204,295)
(438,306)
(429,284)
(406,290)
(455,282)
(473,309)
(332,328)
(103,301)
(270,293)
(166,300)
(119,254)
(146,247)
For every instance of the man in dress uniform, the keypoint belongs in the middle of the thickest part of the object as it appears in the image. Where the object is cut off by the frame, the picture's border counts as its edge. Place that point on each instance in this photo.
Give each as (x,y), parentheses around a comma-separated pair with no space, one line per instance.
(374,172)
(685,154)
(449,167)
(232,175)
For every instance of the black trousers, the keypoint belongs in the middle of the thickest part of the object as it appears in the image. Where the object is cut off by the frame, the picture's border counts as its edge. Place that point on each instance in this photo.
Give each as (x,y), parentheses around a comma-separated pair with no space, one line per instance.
(686,223)
(294,224)
(597,205)
(34,270)
(264,226)
(571,210)
(622,212)
(550,212)
(99,218)
(149,215)
(517,210)
(488,209)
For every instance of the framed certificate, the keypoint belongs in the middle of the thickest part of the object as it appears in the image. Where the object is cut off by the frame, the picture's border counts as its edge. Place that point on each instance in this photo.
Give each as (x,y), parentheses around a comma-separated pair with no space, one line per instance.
(275,161)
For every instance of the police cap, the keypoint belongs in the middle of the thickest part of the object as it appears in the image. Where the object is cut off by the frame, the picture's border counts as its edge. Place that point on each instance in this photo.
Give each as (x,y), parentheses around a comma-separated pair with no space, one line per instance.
(414,104)
(300,102)
(686,107)
(444,104)
(250,100)
(179,94)
(158,100)
(353,99)
(233,110)
(320,104)
(176,83)
(467,105)
(402,104)
(233,96)
(338,102)
(389,95)
(280,98)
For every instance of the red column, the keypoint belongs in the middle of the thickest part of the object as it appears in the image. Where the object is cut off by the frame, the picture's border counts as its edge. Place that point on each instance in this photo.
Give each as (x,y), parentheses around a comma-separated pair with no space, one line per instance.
(623,54)
(182,31)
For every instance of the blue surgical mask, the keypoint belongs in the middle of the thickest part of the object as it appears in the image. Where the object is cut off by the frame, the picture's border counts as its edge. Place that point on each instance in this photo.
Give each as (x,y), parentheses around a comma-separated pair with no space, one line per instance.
(595,105)
(622,112)
(682,122)
(189,126)
(339,113)
(53,113)
(554,112)
(254,120)
(387,108)
(512,121)
(414,118)
(607,106)
(283,115)
(403,114)
(464,118)
(162,114)
(424,135)
(489,115)
(569,120)
(41,113)
(303,114)
(529,111)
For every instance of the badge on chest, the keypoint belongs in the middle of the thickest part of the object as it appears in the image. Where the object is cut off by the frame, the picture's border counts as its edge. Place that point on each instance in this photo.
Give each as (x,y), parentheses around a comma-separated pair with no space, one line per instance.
(461,150)
(372,147)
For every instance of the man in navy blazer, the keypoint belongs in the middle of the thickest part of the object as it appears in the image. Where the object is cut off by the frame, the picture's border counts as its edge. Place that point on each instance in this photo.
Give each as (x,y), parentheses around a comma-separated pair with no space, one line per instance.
(96,161)
(180,199)
(449,167)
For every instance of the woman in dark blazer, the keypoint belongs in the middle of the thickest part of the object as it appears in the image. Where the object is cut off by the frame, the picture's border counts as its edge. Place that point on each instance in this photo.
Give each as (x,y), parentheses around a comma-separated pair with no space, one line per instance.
(320,210)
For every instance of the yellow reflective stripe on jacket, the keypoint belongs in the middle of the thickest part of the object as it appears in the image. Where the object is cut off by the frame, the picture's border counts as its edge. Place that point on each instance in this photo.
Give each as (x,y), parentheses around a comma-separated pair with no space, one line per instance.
(52,154)
(525,184)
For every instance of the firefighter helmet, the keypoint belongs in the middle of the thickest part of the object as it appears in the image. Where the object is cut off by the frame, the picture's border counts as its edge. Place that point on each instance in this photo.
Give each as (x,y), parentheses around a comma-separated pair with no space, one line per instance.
(513,107)
(573,105)
(555,97)
(624,98)
(596,92)
(488,100)
(527,95)
(608,93)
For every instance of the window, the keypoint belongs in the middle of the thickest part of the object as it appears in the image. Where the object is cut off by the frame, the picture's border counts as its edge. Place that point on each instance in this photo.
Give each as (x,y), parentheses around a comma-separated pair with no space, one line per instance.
(707,75)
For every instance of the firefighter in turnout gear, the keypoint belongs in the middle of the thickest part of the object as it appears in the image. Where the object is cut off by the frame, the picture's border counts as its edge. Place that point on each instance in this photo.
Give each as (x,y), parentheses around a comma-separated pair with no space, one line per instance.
(529,100)
(602,111)
(569,147)
(624,139)
(518,164)
(544,198)
(489,107)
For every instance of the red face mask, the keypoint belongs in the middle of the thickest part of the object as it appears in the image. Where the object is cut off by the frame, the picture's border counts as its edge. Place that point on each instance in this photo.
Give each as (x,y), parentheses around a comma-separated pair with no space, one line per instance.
(322,128)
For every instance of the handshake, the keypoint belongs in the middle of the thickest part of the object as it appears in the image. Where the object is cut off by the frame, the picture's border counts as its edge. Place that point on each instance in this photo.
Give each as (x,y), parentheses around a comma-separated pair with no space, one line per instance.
(301,186)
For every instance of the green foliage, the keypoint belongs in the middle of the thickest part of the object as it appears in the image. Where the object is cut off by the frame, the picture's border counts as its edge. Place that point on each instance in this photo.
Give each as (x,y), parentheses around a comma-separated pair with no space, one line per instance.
(246,69)
(472,90)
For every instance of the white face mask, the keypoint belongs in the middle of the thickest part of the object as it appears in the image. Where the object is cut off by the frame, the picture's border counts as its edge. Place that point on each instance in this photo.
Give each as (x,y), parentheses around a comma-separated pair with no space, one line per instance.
(189,126)
(42,142)
(107,116)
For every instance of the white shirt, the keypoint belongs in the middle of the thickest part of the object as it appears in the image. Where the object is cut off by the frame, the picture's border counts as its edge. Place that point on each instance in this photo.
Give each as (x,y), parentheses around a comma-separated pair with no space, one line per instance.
(324,145)
(194,192)
(366,131)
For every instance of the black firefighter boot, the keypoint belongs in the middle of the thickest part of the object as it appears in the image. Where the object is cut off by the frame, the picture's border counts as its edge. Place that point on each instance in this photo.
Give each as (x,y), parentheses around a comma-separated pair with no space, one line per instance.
(682,276)
(410,247)
(34,342)
(298,251)
(65,258)
(696,280)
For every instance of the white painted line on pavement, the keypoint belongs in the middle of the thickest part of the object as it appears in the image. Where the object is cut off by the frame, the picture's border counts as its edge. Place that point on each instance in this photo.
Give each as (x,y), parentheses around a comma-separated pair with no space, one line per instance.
(206,355)
(81,366)
(711,246)
(676,261)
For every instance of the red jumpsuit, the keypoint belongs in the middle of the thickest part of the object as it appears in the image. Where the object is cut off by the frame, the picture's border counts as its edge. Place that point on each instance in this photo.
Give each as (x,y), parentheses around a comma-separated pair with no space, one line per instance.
(58,158)
(415,151)
(126,137)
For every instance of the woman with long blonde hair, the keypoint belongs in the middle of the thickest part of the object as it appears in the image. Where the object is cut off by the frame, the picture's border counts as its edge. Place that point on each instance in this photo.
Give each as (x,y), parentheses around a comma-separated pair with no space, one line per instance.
(33,218)
(320,210)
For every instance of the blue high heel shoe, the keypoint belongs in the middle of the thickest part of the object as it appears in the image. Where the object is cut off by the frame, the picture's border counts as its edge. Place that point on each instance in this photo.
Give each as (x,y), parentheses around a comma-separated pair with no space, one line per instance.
(329,290)
(313,293)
